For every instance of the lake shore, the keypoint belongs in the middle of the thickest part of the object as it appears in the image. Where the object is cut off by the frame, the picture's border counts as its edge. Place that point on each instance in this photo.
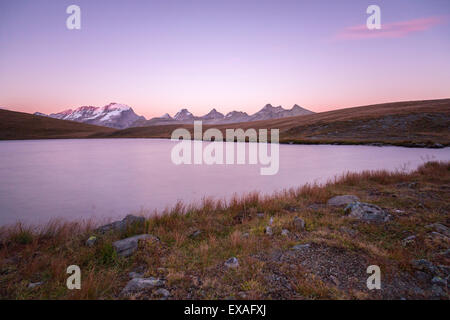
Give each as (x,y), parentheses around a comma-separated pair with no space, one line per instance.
(297,244)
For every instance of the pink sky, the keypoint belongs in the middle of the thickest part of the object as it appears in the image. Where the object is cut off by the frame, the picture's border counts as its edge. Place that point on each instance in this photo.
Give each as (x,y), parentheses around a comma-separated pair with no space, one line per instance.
(162,56)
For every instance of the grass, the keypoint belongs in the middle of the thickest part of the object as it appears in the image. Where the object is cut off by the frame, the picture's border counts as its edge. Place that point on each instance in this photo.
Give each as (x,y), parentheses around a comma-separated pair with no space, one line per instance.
(268,269)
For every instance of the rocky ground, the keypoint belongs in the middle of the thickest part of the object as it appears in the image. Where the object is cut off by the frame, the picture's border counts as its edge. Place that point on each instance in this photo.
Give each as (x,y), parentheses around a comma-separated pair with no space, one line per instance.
(312,243)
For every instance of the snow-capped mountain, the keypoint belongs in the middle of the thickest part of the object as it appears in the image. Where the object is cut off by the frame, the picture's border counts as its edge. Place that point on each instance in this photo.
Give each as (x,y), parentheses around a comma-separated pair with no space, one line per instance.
(270,112)
(113,115)
(184,115)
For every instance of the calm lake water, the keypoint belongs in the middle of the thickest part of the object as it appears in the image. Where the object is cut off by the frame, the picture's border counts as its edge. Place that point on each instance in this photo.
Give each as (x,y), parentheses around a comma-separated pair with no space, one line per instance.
(110,178)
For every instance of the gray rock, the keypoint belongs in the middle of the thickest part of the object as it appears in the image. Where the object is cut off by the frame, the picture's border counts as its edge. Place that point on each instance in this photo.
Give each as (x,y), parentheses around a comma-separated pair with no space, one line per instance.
(438,291)
(195,234)
(408,240)
(122,225)
(91,241)
(301,246)
(133,275)
(439,282)
(344,200)
(424,265)
(163,293)
(232,263)
(128,246)
(367,212)
(440,228)
(33,285)
(245,235)
(284,232)
(299,223)
(140,284)
(268,231)
(260,214)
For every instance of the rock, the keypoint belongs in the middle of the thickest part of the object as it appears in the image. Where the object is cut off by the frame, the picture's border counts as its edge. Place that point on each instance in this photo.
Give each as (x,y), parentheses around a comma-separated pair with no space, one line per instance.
(195,234)
(284,232)
(268,231)
(439,282)
(299,223)
(91,241)
(33,285)
(128,246)
(301,246)
(437,291)
(440,228)
(349,231)
(260,214)
(438,145)
(139,284)
(232,263)
(367,212)
(335,280)
(245,235)
(133,275)
(122,225)
(408,240)
(163,293)
(342,200)
(424,265)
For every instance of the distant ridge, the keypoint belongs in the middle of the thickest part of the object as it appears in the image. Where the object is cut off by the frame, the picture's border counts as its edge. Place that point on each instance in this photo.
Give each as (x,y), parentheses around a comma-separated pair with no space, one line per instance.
(184,116)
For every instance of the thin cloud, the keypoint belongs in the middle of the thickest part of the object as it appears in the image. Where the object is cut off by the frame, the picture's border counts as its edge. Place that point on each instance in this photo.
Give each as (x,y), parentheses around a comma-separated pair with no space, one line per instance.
(390,30)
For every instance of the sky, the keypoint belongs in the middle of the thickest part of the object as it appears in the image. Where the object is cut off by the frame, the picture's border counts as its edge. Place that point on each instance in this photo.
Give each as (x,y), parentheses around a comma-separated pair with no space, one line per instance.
(161,56)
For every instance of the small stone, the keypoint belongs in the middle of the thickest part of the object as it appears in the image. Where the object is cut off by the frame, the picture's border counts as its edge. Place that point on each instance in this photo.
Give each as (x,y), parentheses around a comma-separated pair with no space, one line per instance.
(439,282)
(122,225)
(33,285)
(299,224)
(344,200)
(424,265)
(301,246)
(232,263)
(163,293)
(140,284)
(408,240)
(133,275)
(195,234)
(260,214)
(268,231)
(245,235)
(437,291)
(242,295)
(128,246)
(91,241)
(335,280)
(284,232)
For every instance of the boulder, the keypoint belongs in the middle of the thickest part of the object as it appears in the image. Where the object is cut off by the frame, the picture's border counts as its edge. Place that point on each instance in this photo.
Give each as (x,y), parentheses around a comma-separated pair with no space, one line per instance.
(232,263)
(299,223)
(140,284)
(440,228)
(128,246)
(91,241)
(367,212)
(342,200)
(301,246)
(122,225)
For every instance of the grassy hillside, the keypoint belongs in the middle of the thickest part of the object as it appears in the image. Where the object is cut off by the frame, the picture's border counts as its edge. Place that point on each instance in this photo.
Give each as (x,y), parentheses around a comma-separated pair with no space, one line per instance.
(18,126)
(325,257)
(419,123)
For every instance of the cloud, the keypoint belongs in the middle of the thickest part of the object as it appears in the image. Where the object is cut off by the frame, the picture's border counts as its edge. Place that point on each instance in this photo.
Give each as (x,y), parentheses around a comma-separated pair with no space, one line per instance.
(390,30)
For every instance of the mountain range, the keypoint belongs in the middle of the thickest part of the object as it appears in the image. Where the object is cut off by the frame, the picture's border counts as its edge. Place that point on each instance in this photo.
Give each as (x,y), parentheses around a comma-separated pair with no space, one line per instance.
(120,116)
